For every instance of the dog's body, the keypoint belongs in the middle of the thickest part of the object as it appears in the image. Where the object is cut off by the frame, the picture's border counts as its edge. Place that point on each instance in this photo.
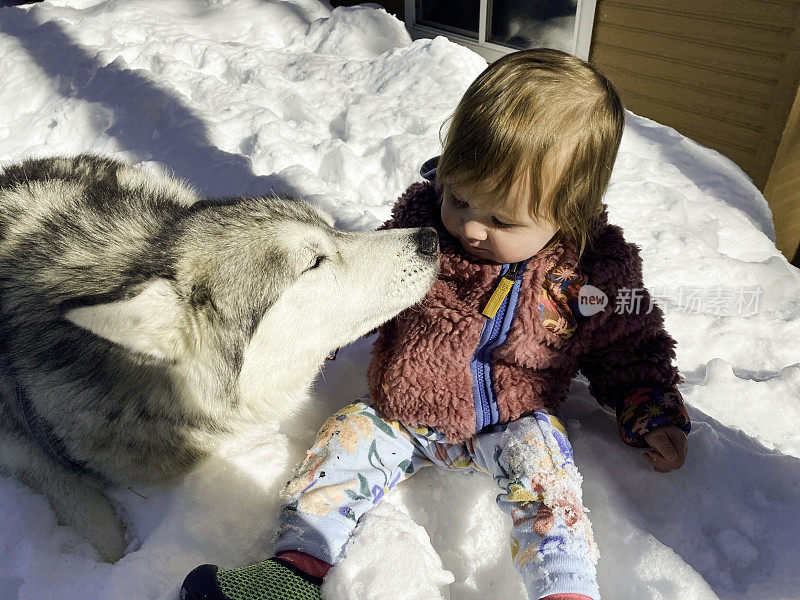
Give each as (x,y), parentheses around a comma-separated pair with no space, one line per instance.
(139,325)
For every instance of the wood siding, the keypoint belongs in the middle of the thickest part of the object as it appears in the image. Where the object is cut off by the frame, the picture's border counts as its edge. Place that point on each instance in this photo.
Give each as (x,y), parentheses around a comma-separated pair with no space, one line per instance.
(722,72)
(783,187)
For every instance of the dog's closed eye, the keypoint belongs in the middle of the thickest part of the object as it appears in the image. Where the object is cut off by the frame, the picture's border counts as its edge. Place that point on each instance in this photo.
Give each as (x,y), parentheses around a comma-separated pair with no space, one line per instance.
(316,262)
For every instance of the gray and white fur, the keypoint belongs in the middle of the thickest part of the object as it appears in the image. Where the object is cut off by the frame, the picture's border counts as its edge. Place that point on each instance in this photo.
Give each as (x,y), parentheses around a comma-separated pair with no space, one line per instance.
(140,325)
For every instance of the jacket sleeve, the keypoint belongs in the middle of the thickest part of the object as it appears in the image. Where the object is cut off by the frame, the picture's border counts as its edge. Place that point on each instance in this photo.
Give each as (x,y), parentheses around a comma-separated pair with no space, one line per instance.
(628,355)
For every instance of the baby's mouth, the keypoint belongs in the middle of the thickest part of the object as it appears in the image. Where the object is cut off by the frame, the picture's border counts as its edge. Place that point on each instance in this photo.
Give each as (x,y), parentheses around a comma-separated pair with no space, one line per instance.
(476,250)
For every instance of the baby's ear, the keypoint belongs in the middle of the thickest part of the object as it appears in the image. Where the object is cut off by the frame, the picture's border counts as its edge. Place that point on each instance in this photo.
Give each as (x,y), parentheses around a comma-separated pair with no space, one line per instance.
(151,322)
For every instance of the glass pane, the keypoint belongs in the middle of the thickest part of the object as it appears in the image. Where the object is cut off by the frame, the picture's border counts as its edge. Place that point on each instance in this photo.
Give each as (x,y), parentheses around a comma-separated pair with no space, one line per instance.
(533,23)
(455,16)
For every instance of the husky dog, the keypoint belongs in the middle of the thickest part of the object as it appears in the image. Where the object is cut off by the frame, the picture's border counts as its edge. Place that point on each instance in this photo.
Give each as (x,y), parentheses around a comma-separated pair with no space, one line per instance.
(139,324)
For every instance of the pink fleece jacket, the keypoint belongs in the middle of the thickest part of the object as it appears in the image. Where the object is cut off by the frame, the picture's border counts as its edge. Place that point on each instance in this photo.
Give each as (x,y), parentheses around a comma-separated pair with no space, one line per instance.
(420,368)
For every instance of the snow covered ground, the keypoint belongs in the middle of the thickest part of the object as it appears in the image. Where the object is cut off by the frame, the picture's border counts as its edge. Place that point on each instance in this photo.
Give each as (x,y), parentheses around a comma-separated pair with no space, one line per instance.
(244,96)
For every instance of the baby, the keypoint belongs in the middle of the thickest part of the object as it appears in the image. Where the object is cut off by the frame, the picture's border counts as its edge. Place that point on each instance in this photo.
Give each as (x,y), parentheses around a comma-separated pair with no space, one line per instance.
(472,378)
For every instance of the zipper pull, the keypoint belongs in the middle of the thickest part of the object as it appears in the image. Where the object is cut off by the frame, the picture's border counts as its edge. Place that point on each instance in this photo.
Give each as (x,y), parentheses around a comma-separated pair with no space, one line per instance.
(500,292)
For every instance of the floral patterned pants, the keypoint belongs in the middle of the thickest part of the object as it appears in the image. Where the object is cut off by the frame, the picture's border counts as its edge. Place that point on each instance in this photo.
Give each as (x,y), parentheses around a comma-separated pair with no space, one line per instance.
(359,456)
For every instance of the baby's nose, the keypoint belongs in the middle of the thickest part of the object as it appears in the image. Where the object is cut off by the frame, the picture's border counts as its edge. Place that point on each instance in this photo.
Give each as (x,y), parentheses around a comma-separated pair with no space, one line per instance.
(474,231)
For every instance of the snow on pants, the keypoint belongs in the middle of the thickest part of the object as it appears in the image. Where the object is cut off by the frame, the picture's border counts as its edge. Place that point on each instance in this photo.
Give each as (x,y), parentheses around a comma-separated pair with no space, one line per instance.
(359,456)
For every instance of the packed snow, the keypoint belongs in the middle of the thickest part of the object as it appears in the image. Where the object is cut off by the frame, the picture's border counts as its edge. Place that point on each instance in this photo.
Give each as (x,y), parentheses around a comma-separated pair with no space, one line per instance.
(341,107)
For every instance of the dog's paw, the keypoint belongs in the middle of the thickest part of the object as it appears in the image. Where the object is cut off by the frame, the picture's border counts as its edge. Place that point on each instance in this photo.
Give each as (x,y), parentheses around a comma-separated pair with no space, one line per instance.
(102,528)
(86,508)
(108,538)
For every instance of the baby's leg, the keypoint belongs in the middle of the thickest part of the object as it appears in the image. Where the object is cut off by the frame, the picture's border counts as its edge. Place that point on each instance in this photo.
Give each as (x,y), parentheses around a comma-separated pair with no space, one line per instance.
(358,457)
(551,538)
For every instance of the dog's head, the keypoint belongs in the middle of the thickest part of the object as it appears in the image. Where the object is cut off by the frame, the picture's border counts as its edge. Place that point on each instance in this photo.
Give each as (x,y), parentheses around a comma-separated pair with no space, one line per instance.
(263,290)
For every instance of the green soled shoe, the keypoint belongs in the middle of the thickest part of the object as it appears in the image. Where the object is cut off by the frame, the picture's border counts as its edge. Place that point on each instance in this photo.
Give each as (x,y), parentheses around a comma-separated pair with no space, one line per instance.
(273,579)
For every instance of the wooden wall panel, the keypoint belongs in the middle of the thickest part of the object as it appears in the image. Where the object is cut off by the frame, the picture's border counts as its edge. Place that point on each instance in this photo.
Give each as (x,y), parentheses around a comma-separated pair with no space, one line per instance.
(783,188)
(720,72)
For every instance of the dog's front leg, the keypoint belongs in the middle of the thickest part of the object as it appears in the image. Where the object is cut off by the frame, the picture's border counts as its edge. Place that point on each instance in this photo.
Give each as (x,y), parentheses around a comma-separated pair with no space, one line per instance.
(78,501)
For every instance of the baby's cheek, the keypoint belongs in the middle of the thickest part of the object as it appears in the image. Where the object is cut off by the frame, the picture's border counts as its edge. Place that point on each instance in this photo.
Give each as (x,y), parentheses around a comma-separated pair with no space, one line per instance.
(449,222)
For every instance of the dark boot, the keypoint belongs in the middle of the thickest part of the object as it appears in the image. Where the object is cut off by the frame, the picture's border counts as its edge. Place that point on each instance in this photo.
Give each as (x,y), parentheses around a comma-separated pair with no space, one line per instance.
(273,579)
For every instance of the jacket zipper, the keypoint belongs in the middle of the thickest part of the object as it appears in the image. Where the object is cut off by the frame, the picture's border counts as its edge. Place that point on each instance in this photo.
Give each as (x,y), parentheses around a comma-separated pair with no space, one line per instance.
(486,412)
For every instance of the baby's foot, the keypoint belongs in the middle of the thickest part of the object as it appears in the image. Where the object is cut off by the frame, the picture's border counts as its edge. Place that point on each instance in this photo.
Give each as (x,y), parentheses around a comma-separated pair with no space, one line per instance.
(273,579)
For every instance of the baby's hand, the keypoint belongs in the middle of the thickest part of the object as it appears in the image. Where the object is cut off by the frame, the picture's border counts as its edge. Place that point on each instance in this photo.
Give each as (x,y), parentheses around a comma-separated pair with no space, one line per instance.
(668,446)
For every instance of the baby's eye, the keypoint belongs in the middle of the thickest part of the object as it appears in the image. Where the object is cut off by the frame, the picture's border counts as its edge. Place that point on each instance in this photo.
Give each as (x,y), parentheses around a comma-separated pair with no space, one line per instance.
(501,224)
(457,203)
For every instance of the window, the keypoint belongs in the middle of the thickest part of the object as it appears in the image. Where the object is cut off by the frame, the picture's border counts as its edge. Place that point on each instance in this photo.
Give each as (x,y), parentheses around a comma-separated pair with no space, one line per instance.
(453,16)
(496,27)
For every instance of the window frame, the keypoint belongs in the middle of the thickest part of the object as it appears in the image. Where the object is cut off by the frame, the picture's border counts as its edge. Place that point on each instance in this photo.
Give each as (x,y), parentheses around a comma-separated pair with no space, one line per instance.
(581,39)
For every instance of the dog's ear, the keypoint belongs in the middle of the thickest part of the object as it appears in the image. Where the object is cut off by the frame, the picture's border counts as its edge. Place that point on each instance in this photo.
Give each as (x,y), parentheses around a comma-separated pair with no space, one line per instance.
(149,322)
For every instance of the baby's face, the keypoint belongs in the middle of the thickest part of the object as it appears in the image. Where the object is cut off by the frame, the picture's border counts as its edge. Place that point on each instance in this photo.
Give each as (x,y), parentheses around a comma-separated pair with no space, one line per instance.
(488,233)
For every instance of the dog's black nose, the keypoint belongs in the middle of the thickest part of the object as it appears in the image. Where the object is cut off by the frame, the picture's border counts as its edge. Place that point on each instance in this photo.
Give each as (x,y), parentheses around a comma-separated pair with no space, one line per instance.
(427,241)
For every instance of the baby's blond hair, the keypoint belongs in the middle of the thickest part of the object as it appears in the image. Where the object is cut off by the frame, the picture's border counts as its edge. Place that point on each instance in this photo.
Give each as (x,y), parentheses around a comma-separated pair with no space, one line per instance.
(531,112)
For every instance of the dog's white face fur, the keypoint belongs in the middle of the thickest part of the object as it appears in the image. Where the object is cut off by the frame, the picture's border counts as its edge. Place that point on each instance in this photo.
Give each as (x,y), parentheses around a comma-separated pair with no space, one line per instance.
(346,285)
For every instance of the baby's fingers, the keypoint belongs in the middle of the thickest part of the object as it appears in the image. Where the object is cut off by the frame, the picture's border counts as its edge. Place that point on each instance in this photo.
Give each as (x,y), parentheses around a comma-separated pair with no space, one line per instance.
(660,464)
(668,447)
(659,440)
(681,444)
